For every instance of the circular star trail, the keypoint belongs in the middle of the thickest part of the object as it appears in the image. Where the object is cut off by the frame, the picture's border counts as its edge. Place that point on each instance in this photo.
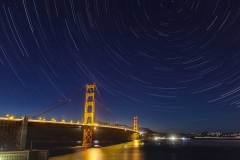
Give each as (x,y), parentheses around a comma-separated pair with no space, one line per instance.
(167,60)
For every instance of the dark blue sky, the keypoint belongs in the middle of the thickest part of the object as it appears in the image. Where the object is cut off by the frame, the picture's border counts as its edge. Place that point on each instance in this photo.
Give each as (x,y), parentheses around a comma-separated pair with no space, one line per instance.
(175,64)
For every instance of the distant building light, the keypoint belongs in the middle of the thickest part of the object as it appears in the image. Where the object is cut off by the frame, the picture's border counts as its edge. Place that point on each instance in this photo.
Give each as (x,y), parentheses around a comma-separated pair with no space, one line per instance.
(96,141)
(156,138)
(142,132)
(96,145)
(183,138)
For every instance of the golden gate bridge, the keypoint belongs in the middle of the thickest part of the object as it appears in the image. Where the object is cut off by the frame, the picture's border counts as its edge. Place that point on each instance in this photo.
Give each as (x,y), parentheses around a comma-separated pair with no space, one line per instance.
(18,132)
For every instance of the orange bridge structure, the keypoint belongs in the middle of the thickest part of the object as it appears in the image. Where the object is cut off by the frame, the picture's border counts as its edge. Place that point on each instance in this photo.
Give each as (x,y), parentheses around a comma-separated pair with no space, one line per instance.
(28,133)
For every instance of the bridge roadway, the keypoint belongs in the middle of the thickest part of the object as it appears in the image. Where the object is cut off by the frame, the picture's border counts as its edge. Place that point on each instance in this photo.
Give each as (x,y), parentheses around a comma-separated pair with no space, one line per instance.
(71,123)
(45,134)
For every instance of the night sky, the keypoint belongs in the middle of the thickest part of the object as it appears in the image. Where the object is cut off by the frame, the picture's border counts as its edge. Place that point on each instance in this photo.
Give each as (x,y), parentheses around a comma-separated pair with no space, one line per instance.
(174,63)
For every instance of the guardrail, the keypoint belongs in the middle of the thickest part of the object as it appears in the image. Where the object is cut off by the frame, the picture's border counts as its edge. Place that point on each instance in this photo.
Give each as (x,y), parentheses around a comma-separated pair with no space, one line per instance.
(24,155)
(14,155)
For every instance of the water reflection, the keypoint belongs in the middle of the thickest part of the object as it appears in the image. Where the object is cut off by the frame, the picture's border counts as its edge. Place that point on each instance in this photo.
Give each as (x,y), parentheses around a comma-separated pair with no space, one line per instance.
(93,154)
(179,150)
(125,151)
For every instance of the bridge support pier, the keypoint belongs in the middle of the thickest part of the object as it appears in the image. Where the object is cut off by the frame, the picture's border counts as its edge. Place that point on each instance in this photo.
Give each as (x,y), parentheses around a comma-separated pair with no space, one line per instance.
(23,134)
(135,136)
(87,136)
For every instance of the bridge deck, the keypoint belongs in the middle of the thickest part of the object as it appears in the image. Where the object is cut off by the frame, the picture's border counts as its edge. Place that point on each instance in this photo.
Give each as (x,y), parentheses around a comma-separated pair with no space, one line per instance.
(72,123)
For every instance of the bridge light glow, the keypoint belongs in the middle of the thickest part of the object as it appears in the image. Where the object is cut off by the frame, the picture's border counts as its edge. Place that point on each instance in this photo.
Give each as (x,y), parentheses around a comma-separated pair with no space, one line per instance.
(53,120)
(11,117)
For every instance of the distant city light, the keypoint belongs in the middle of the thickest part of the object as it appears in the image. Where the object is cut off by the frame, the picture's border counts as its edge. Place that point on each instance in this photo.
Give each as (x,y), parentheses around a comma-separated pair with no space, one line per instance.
(172,138)
(156,138)
(96,145)
(183,138)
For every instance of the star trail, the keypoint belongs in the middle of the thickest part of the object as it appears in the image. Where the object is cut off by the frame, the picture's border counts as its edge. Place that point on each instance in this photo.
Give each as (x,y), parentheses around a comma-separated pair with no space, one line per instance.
(174,63)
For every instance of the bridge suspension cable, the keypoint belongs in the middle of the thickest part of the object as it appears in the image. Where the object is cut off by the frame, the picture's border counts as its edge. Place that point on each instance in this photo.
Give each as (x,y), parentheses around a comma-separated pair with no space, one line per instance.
(60,103)
(103,110)
(53,107)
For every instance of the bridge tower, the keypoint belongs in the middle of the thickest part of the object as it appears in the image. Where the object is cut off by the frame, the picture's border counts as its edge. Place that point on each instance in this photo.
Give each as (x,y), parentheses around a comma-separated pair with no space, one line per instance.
(135,135)
(135,124)
(89,114)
